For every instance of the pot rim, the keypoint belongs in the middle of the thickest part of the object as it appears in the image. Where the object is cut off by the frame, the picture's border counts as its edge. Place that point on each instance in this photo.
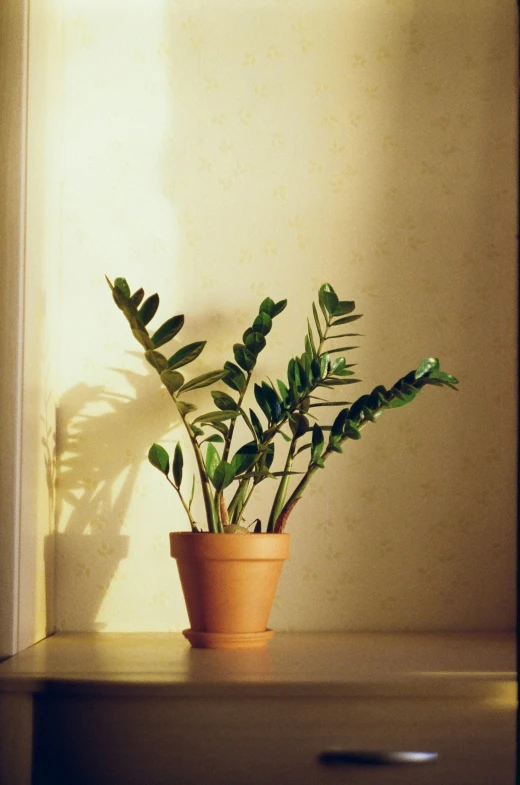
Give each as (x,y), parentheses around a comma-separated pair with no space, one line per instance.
(208,545)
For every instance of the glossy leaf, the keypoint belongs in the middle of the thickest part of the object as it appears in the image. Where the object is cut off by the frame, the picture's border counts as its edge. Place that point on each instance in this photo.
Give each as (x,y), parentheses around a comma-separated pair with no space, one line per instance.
(317,321)
(262,324)
(121,285)
(244,458)
(141,336)
(324,365)
(223,401)
(318,442)
(187,354)
(255,342)
(273,402)
(261,401)
(244,357)
(156,360)
(234,377)
(339,423)
(344,307)
(279,307)
(284,392)
(343,349)
(204,380)
(257,425)
(346,319)
(212,460)
(172,380)
(137,297)
(159,458)
(178,462)
(223,476)
(215,438)
(185,407)
(428,365)
(217,416)
(267,306)
(148,309)
(328,298)
(299,425)
(167,331)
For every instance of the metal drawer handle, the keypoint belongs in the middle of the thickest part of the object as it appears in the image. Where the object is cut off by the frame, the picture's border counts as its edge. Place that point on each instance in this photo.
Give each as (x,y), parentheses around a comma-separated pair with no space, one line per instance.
(375,758)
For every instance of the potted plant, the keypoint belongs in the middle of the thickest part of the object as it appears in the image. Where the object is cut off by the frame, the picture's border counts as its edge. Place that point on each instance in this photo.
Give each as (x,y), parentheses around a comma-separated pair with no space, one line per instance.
(229,582)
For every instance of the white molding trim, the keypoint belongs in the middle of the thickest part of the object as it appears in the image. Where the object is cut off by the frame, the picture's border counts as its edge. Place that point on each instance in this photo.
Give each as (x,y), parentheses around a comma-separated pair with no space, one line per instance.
(14,18)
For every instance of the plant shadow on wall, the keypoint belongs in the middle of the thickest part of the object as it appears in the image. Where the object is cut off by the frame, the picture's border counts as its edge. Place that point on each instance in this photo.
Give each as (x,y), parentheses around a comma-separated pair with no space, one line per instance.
(92,502)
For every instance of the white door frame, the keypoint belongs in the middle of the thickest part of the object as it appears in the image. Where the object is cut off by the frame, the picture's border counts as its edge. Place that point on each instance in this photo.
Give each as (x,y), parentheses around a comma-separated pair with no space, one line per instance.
(14,16)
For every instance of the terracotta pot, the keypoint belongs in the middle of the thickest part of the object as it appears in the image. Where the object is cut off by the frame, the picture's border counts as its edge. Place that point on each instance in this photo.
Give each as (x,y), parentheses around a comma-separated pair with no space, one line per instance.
(229,582)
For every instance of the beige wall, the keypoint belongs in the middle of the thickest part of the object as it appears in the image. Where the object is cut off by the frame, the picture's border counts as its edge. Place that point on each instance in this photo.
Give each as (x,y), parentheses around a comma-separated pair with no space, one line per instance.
(220,152)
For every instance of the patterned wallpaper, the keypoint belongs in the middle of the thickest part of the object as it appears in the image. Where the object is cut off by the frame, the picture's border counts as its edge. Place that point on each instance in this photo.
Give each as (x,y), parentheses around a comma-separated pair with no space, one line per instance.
(221,152)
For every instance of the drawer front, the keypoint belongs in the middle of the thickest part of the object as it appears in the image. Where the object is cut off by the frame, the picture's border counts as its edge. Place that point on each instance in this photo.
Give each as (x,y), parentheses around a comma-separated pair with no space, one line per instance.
(140,741)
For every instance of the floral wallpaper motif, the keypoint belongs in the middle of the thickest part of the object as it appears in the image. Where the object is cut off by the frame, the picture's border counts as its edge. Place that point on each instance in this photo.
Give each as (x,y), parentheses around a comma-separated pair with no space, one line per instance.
(221,152)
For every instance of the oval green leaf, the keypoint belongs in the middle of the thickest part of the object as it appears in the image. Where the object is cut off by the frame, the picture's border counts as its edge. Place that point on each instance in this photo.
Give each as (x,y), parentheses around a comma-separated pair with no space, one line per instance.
(186,354)
(159,458)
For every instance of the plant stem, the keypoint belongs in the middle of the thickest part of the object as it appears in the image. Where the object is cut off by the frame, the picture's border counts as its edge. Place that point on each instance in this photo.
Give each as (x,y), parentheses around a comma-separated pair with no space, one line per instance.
(281,492)
(187,509)
(214,524)
(229,435)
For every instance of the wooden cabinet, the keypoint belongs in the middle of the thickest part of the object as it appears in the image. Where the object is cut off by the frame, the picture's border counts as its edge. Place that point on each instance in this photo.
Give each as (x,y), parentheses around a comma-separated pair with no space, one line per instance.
(309,709)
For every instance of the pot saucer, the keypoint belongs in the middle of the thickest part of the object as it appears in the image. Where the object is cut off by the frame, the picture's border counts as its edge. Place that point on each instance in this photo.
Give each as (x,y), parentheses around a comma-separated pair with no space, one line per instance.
(228,640)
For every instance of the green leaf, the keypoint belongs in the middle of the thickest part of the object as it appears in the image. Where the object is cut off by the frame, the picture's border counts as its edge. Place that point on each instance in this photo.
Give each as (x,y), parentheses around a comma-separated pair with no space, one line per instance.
(313,351)
(185,408)
(178,462)
(447,378)
(172,380)
(212,460)
(186,354)
(142,336)
(244,357)
(122,286)
(204,380)
(156,360)
(338,365)
(284,392)
(255,342)
(223,401)
(137,297)
(317,321)
(223,476)
(339,423)
(244,458)
(345,335)
(234,377)
(430,364)
(267,306)
(255,422)
(159,458)
(262,324)
(148,309)
(343,349)
(217,416)
(328,298)
(213,438)
(299,425)
(346,319)
(324,365)
(261,401)
(318,441)
(167,331)
(279,307)
(344,307)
